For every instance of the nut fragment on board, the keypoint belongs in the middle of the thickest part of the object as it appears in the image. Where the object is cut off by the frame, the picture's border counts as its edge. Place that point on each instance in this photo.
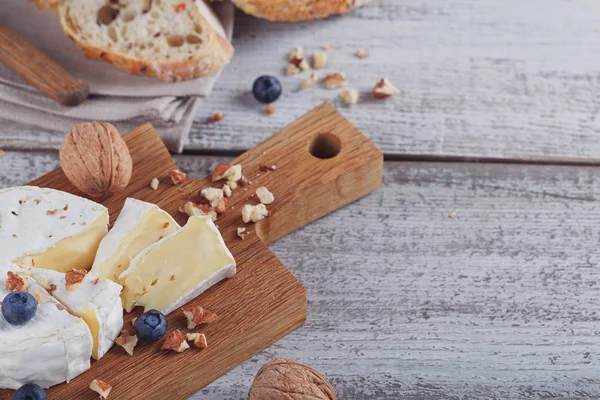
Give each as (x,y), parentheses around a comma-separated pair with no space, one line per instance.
(127,341)
(74,277)
(198,315)
(349,96)
(213,195)
(226,190)
(314,78)
(227,171)
(177,176)
(232,185)
(362,53)
(384,89)
(242,233)
(255,213)
(95,159)
(269,109)
(334,81)
(101,387)
(319,59)
(199,340)
(264,195)
(175,341)
(154,183)
(193,209)
(287,379)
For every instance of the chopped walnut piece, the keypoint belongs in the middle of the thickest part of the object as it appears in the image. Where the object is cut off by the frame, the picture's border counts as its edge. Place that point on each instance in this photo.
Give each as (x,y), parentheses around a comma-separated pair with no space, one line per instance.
(349,96)
(264,195)
(74,277)
(291,70)
(127,342)
(221,208)
(232,185)
(303,65)
(213,195)
(327,46)
(219,172)
(269,109)
(314,78)
(216,117)
(15,282)
(199,340)
(227,171)
(384,89)
(298,52)
(154,183)
(192,209)
(177,176)
(362,53)
(242,233)
(319,59)
(51,212)
(198,315)
(226,190)
(254,213)
(266,168)
(101,387)
(175,341)
(334,81)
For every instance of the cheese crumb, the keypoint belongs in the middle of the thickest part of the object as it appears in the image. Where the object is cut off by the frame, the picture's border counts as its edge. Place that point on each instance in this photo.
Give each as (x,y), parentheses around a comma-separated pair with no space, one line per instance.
(216,117)
(254,213)
(319,59)
(349,96)
(154,183)
(264,195)
(101,387)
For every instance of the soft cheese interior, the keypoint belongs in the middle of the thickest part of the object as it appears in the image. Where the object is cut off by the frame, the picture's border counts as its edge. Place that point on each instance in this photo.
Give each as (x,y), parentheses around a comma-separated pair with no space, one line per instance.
(177,268)
(53,347)
(98,303)
(139,225)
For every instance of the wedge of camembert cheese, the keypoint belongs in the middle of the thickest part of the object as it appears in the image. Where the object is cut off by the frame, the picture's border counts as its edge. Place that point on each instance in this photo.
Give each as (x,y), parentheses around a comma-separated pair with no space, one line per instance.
(177,268)
(138,226)
(46,228)
(96,301)
(52,348)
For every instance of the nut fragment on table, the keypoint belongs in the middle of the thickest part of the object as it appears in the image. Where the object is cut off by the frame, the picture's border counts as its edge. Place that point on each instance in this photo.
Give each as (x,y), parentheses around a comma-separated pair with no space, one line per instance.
(127,341)
(384,89)
(255,213)
(334,81)
(199,340)
(319,59)
(349,96)
(291,70)
(101,387)
(362,53)
(264,195)
(297,53)
(95,159)
(198,315)
(287,379)
(314,78)
(175,341)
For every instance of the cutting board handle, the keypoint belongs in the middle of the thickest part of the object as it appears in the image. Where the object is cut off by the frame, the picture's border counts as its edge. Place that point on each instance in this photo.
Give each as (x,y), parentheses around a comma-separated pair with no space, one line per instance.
(39,70)
(322,163)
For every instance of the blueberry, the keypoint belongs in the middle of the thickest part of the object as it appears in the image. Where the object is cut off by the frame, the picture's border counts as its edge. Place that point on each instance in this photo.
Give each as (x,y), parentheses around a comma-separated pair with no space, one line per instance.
(266,89)
(151,326)
(18,307)
(29,391)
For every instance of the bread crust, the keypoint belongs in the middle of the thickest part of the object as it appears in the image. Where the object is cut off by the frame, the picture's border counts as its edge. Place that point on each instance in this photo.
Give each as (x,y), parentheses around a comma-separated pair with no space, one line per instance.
(297,10)
(215,55)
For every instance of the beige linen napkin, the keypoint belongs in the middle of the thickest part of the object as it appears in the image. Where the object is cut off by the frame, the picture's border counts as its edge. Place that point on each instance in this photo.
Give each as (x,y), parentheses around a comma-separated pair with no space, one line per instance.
(117,97)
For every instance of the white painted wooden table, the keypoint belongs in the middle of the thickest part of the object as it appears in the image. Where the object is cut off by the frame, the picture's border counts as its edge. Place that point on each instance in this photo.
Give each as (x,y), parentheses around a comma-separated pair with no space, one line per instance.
(499,302)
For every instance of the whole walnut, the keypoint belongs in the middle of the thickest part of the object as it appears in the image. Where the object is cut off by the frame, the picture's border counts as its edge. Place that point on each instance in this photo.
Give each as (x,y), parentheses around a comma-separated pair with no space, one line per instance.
(95,159)
(284,379)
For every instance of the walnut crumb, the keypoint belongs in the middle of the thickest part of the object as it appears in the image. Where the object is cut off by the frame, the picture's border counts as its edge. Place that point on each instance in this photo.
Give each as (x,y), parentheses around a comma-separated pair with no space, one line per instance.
(198,315)
(15,282)
(101,387)
(193,209)
(314,78)
(254,213)
(291,70)
(242,233)
(267,168)
(362,53)
(303,65)
(216,117)
(269,109)
(452,215)
(177,176)
(334,81)
(298,52)
(74,277)
(232,185)
(226,190)
(175,341)
(52,212)
(319,59)
(384,89)
(199,340)
(349,96)
(213,195)
(264,195)
(154,183)
(127,341)
(227,171)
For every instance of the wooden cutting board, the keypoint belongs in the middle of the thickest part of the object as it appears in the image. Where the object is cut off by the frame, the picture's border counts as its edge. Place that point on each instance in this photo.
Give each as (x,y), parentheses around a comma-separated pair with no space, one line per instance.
(322,163)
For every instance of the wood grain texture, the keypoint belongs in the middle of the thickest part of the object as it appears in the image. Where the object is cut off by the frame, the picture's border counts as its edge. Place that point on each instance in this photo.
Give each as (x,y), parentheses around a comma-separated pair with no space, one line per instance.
(407,303)
(39,70)
(494,78)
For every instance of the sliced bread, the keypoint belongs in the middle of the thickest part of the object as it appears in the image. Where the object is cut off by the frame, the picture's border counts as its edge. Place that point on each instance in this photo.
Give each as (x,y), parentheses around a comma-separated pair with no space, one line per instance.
(297,10)
(173,40)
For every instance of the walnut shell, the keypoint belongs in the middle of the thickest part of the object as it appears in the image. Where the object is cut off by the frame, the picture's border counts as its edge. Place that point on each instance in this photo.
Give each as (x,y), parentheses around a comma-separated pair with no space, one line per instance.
(95,159)
(284,379)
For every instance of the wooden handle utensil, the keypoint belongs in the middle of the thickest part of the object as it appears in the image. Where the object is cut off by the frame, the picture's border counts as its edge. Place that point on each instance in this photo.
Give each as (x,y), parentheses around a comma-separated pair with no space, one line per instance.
(39,70)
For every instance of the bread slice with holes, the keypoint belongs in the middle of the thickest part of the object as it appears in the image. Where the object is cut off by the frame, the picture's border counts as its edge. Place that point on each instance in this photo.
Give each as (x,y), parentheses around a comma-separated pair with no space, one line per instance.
(297,10)
(174,40)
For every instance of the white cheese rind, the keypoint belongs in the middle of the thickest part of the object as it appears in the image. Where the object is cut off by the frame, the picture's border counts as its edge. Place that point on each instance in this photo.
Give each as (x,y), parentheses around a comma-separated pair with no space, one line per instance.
(98,303)
(52,348)
(33,220)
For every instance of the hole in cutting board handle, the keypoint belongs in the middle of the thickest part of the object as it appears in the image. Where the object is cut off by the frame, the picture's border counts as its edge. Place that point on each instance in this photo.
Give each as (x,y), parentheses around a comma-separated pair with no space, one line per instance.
(324,146)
